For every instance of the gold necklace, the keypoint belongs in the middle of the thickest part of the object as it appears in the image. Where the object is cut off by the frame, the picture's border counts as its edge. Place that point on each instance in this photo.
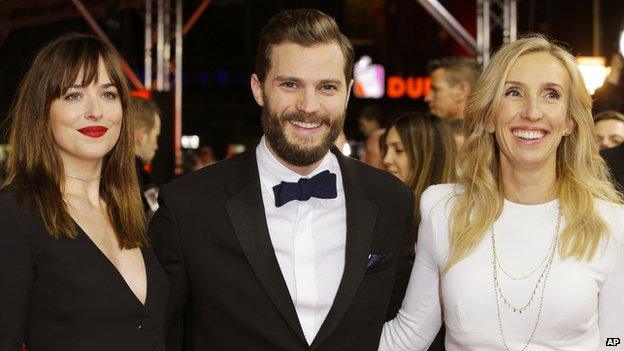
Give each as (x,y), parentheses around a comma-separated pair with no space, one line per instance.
(543,278)
(552,243)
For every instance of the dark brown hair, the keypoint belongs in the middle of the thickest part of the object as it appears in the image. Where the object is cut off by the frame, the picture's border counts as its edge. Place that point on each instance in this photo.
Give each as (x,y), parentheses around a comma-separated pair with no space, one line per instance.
(34,168)
(430,148)
(304,27)
(609,114)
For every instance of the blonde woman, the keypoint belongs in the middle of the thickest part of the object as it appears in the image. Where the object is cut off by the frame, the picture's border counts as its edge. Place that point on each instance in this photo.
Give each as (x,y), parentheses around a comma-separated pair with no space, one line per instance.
(526,251)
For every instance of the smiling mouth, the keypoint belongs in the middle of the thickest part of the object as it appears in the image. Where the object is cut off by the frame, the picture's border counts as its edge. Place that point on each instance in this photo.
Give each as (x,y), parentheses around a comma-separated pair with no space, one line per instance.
(93,131)
(529,135)
(306,125)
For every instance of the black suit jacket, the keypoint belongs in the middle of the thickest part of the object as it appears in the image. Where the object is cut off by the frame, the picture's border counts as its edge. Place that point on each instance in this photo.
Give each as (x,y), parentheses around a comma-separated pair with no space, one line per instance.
(65,295)
(615,160)
(227,291)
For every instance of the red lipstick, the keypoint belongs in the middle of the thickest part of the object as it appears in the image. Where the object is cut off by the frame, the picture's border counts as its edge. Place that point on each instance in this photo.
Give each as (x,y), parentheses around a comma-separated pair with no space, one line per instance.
(93,131)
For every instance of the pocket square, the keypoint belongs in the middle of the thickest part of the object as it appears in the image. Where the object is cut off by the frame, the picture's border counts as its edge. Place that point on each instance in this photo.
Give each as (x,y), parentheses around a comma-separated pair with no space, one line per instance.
(375,260)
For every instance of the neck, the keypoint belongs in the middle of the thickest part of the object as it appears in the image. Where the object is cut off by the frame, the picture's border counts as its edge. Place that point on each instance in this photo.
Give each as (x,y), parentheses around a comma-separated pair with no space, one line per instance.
(301,170)
(82,179)
(528,186)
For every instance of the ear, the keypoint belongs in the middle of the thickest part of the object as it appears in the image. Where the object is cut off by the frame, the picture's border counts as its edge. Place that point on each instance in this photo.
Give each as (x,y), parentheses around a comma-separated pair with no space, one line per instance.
(463,89)
(256,89)
(349,87)
(140,136)
(570,126)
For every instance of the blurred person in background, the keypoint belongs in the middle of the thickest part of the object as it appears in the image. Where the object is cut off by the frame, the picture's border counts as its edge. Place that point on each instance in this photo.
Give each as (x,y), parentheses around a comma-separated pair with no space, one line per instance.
(609,129)
(452,80)
(76,272)
(205,157)
(371,119)
(419,150)
(372,155)
(145,115)
(610,96)
(614,157)
(526,250)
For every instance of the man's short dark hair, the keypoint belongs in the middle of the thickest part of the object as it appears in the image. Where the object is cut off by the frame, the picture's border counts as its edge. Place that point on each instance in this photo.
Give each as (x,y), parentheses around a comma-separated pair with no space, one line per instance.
(374,113)
(458,69)
(304,27)
(609,114)
(142,113)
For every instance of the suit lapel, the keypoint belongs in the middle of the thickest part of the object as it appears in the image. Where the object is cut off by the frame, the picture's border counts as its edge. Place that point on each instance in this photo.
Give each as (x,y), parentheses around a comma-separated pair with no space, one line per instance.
(246,212)
(361,217)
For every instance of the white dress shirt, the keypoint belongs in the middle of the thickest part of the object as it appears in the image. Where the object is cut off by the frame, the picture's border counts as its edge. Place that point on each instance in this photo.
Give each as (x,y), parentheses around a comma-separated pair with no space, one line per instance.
(309,238)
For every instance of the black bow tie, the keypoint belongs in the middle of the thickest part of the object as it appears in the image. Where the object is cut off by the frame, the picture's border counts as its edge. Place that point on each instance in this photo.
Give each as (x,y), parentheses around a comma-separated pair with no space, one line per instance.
(322,186)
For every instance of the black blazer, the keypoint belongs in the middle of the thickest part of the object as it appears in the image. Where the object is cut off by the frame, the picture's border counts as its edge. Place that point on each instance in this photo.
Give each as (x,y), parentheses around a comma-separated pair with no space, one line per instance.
(65,295)
(227,291)
(615,160)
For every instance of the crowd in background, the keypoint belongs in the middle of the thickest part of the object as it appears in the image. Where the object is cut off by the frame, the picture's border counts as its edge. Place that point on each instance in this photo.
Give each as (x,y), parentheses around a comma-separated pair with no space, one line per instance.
(420,148)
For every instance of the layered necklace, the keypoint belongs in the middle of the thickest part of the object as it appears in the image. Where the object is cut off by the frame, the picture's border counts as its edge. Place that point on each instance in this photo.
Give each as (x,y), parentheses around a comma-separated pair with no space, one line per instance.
(546,263)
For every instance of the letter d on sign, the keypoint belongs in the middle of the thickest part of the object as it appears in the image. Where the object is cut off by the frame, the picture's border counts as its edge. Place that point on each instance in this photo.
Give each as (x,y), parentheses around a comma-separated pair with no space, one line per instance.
(613,341)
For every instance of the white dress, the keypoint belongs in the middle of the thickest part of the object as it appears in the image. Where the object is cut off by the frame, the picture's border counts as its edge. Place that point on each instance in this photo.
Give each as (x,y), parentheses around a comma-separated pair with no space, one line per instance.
(583,302)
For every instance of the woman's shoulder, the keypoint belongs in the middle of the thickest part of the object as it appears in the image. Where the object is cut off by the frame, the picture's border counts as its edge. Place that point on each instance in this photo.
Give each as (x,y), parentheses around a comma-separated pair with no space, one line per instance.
(438,194)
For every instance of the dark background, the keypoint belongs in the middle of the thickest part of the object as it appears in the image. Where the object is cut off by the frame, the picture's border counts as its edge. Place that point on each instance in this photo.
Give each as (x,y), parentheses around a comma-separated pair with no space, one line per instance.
(219,50)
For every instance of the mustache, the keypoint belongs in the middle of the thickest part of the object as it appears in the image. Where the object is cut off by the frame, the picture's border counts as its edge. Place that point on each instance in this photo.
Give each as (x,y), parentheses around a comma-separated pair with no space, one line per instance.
(306,117)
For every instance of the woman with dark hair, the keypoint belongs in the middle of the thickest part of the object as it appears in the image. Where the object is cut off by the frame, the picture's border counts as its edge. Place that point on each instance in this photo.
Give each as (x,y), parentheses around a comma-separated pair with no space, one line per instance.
(75,269)
(418,148)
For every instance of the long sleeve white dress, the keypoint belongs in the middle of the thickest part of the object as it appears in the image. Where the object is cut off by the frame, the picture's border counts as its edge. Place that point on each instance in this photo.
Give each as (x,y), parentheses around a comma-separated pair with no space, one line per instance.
(583,301)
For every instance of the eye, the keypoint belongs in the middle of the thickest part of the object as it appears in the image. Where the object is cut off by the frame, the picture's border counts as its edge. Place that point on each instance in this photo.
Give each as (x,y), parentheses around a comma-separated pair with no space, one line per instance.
(289,85)
(553,94)
(109,95)
(329,87)
(72,96)
(513,92)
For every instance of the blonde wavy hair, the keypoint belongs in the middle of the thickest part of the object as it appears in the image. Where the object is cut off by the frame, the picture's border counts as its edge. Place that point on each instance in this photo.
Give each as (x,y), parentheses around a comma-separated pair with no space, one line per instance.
(582,176)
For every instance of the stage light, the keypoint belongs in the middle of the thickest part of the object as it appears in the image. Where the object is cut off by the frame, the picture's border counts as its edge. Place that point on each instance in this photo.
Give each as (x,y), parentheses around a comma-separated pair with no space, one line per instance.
(190,141)
(346,149)
(622,43)
(593,70)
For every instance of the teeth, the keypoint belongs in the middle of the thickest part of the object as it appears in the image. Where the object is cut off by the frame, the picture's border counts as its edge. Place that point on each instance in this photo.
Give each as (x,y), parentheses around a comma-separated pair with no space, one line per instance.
(531,135)
(306,124)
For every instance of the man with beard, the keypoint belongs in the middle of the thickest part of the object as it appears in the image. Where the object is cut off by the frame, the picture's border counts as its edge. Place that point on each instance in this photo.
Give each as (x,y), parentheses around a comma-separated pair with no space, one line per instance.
(290,246)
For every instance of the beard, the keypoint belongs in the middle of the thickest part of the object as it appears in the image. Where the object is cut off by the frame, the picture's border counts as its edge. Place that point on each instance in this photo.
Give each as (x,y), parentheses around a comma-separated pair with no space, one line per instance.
(308,150)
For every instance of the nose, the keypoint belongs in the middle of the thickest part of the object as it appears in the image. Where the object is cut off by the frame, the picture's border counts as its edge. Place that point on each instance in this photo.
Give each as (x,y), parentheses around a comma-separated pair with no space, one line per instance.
(603,143)
(429,97)
(94,108)
(308,101)
(387,158)
(531,109)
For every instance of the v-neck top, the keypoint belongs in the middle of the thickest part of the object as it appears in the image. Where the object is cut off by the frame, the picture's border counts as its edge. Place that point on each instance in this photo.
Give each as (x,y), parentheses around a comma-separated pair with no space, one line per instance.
(65,294)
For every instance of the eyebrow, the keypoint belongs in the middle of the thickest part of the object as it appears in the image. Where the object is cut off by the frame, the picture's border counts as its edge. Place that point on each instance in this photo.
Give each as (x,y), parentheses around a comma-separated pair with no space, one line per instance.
(548,84)
(299,80)
(104,86)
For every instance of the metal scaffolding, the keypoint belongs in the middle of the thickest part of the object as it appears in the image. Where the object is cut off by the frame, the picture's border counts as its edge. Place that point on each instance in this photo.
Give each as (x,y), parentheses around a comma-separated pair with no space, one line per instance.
(491,15)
